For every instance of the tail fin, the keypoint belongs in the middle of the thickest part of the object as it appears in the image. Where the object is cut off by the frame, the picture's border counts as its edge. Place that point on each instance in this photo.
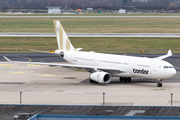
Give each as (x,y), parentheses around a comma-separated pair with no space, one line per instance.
(63,41)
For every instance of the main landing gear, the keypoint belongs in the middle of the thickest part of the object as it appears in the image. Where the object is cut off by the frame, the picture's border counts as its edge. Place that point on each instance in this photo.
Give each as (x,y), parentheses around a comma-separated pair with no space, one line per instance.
(125,79)
(159,84)
(92,81)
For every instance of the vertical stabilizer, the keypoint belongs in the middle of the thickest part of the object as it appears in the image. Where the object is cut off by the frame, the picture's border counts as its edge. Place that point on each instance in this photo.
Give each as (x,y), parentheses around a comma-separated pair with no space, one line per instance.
(63,41)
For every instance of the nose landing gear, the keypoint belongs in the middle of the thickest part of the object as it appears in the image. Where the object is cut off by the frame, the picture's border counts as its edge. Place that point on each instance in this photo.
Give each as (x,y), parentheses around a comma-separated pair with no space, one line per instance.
(159,84)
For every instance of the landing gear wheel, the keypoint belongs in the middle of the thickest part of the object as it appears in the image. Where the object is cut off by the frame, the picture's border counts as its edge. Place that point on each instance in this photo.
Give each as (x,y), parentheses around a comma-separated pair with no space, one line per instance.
(125,79)
(91,81)
(129,79)
(159,84)
(121,79)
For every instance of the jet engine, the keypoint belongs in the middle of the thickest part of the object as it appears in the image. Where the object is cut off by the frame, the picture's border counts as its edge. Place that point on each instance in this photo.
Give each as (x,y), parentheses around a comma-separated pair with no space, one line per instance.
(100,77)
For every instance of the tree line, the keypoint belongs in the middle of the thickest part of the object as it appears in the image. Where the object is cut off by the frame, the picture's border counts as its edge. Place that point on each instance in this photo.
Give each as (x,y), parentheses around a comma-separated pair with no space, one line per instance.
(95,4)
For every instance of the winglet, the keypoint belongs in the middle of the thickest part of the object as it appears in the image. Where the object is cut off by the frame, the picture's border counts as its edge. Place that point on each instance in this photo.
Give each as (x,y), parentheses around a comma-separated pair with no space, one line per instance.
(165,56)
(169,52)
(7,59)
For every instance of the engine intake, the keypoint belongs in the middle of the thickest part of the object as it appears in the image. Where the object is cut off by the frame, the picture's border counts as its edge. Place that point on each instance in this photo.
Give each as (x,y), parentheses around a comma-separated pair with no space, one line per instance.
(100,77)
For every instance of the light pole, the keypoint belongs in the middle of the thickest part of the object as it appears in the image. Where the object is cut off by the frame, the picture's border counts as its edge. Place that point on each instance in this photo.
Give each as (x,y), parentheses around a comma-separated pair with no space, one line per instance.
(103,98)
(21,97)
(171,98)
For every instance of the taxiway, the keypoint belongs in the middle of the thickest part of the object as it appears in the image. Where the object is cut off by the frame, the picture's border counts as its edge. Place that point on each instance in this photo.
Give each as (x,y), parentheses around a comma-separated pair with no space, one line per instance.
(161,35)
(43,84)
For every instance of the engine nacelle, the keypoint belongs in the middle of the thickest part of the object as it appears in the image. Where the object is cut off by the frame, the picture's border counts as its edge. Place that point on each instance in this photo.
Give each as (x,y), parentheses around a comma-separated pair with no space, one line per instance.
(100,77)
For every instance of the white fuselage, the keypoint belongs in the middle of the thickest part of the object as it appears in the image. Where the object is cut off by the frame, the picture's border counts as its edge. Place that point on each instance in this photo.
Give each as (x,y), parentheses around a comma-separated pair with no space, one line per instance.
(134,66)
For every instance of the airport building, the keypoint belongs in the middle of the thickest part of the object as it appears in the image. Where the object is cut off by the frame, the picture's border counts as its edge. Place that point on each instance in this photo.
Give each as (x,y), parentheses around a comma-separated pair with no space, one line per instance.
(90,112)
(54,9)
(122,11)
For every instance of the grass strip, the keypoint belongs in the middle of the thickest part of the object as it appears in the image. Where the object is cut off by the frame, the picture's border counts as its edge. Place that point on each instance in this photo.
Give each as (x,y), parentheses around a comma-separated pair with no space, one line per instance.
(92,25)
(102,45)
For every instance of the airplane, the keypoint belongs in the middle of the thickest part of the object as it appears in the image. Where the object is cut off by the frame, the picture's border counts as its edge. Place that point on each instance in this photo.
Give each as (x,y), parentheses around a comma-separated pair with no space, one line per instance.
(102,67)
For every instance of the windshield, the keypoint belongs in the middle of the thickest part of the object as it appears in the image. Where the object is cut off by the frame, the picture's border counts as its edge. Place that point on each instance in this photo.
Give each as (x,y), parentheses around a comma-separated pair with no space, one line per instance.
(168,67)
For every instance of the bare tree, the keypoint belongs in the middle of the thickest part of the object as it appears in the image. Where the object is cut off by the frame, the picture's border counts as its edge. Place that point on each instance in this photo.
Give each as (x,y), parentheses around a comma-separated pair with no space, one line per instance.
(96,4)
(4,8)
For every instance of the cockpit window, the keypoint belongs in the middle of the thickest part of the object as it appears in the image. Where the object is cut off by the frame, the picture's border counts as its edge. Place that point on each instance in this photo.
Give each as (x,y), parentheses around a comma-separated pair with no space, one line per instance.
(168,66)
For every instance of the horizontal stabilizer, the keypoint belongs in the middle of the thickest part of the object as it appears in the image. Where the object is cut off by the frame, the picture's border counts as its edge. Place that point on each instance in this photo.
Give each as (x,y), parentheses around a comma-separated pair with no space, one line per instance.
(44,51)
(78,49)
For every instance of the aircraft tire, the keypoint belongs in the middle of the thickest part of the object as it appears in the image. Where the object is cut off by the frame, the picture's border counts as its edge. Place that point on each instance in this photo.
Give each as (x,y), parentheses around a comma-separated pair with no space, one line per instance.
(129,79)
(121,79)
(125,79)
(91,81)
(159,84)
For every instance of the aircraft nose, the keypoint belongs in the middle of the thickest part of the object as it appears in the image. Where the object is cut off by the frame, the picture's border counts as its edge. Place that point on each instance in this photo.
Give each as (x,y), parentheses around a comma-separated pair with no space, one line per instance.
(174,72)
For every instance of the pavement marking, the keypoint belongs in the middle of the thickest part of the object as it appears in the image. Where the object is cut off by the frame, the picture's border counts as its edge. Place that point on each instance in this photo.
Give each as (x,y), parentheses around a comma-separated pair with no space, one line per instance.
(16,73)
(25,58)
(46,75)
(6,64)
(33,65)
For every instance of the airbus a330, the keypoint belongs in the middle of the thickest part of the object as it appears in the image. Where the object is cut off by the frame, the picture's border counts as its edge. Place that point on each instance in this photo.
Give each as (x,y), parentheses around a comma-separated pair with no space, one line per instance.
(102,67)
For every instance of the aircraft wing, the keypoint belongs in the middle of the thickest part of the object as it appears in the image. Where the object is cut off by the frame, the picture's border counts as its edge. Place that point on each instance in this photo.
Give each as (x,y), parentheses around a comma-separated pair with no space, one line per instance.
(78,49)
(110,70)
(164,56)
